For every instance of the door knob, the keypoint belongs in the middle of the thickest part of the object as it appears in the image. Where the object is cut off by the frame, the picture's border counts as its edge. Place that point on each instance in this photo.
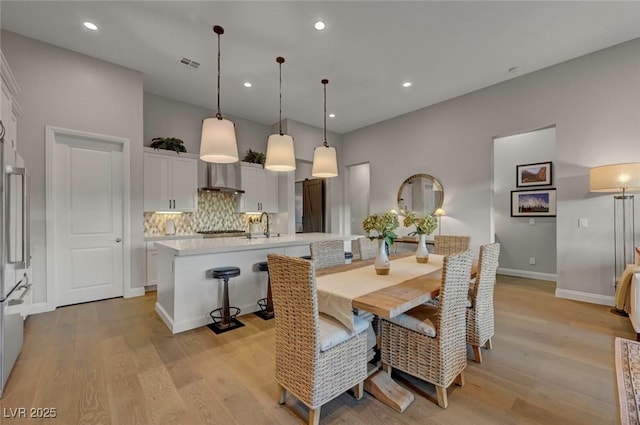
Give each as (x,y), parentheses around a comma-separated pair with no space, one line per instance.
(118,240)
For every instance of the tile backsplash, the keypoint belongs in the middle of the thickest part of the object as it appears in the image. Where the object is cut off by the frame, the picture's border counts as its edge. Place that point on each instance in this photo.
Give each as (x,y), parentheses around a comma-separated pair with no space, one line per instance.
(216,211)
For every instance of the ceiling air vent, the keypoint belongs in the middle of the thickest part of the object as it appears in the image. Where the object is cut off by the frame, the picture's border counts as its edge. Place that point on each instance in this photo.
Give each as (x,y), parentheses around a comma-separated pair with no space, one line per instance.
(188,62)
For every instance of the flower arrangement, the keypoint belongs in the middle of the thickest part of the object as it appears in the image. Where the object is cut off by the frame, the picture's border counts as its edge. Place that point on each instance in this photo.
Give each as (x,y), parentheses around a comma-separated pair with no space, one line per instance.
(384,224)
(424,224)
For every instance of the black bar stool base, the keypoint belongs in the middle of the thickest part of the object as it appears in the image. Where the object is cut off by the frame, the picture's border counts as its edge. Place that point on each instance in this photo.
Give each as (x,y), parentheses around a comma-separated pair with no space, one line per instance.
(263,313)
(234,324)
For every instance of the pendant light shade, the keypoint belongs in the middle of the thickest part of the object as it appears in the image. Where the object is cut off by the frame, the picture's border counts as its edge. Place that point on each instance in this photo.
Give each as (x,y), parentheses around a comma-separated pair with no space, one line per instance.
(280,153)
(325,160)
(218,141)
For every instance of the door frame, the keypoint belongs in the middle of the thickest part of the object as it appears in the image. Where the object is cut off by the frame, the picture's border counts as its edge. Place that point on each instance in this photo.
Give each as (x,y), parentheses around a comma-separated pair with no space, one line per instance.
(51,132)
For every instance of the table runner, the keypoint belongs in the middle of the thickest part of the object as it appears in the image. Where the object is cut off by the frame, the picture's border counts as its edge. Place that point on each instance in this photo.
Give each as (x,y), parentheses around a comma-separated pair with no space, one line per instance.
(336,291)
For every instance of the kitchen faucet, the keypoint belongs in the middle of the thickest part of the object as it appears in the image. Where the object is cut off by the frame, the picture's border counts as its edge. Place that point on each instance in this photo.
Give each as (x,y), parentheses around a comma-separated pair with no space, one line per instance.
(267,232)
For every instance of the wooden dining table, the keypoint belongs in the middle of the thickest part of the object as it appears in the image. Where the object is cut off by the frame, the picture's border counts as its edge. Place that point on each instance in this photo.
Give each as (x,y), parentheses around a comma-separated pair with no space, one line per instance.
(386,302)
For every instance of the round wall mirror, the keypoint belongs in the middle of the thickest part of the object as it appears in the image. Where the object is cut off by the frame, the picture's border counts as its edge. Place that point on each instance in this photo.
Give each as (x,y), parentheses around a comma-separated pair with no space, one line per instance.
(421,194)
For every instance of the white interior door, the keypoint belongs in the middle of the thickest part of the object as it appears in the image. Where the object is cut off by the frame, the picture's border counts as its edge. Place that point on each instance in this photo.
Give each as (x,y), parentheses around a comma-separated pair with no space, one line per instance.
(87,193)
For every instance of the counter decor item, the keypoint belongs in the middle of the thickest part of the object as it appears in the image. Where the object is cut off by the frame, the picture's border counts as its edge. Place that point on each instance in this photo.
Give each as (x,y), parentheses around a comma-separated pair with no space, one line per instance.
(170,227)
(254,225)
(384,225)
(425,225)
(169,144)
(254,157)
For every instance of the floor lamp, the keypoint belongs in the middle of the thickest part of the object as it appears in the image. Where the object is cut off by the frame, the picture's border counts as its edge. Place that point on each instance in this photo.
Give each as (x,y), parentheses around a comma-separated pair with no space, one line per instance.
(619,178)
(439,213)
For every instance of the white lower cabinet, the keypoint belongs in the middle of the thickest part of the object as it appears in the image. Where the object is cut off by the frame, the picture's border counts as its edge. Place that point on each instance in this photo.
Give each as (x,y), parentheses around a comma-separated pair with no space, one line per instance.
(152,271)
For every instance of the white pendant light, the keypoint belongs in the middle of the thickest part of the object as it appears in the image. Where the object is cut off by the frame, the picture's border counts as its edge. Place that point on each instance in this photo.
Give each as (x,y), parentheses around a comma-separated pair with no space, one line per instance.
(218,142)
(325,162)
(280,153)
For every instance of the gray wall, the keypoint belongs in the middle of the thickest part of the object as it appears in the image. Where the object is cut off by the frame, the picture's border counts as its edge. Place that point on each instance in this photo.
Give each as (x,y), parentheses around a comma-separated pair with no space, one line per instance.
(164,117)
(66,89)
(595,102)
(518,238)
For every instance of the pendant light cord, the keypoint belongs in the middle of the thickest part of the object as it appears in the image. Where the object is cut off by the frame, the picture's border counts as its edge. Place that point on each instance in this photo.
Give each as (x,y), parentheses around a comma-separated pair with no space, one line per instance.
(324,83)
(280,61)
(218,30)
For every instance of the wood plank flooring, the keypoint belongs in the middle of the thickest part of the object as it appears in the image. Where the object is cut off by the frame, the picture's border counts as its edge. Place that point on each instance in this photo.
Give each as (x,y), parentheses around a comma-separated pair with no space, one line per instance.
(114,362)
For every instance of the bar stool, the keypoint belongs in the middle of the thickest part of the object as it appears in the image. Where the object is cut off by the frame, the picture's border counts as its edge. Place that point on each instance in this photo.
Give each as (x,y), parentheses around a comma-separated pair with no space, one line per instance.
(265,304)
(223,320)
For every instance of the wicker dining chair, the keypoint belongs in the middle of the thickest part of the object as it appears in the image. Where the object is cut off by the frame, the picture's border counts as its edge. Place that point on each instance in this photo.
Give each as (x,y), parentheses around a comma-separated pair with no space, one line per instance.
(449,244)
(317,358)
(430,342)
(480,316)
(368,248)
(327,253)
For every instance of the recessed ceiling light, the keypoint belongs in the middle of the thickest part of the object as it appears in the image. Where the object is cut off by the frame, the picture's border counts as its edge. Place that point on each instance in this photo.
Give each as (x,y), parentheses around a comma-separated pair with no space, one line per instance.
(514,69)
(406,84)
(319,25)
(90,25)
(332,115)
(248,85)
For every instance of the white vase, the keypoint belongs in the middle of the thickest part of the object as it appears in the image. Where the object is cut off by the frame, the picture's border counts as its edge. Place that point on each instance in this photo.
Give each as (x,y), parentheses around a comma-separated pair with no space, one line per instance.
(422,254)
(382,264)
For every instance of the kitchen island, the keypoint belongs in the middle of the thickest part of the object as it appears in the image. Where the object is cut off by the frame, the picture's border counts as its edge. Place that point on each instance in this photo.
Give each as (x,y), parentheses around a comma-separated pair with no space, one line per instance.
(186,294)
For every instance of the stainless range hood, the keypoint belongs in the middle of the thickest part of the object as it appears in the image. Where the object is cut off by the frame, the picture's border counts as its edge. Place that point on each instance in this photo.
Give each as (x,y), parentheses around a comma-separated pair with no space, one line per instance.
(218,178)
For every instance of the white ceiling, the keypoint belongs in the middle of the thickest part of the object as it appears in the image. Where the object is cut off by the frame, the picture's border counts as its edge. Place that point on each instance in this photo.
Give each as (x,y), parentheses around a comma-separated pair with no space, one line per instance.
(366,51)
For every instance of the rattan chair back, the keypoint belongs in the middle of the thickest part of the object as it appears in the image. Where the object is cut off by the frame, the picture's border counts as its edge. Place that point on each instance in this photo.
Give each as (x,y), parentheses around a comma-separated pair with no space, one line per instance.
(368,248)
(480,316)
(327,253)
(449,244)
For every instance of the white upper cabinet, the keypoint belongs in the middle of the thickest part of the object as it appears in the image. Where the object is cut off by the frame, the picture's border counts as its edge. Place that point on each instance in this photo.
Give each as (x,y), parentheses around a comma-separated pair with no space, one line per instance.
(170,181)
(260,189)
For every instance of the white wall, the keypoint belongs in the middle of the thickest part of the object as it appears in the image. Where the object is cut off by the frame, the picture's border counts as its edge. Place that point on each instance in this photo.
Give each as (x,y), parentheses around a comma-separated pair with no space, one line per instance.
(518,238)
(357,197)
(595,102)
(66,89)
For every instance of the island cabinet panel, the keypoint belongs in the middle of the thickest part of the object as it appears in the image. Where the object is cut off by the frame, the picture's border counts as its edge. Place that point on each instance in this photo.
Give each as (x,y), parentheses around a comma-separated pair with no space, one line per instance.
(170,182)
(260,189)
(186,292)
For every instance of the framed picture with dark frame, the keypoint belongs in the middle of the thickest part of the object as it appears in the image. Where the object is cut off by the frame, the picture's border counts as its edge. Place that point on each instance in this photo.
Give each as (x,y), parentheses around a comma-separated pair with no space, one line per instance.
(538,174)
(533,203)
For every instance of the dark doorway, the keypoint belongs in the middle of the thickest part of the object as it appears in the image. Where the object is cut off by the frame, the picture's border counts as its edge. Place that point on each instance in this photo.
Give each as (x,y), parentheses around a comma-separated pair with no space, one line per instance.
(313,209)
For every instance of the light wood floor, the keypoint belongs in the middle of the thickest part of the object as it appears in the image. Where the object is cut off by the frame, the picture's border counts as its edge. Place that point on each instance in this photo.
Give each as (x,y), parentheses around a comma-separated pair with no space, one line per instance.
(114,362)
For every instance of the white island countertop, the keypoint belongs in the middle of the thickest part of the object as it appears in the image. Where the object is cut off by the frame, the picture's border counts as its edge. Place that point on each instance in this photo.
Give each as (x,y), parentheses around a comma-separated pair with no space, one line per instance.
(186,247)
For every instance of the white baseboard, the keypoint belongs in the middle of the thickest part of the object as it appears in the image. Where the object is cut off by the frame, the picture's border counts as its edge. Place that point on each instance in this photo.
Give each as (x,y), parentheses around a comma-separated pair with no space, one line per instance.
(585,297)
(528,274)
(165,317)
(150,288)
(194,323)
(38,308)
(134,292)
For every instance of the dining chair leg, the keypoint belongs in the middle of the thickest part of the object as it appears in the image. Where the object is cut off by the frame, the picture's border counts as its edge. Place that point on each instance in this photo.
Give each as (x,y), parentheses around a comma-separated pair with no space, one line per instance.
(358,390)
(477,354)
(282,394)
(441,394)
(488,345)
(387,368)
(460,380)
(314,416)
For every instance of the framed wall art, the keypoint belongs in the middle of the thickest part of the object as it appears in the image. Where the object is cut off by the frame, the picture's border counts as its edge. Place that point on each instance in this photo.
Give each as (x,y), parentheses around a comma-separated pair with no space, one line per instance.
(538,174)
(533,203)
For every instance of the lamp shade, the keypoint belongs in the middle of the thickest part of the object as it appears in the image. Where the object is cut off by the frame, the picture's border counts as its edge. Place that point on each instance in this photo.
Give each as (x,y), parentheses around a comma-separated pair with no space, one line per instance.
(440,211)
(280,153)
(325,163)
(218,141)
(615,177)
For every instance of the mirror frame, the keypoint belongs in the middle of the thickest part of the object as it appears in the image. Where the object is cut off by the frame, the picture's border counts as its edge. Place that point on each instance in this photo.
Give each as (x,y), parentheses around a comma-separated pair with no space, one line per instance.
(436,183)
